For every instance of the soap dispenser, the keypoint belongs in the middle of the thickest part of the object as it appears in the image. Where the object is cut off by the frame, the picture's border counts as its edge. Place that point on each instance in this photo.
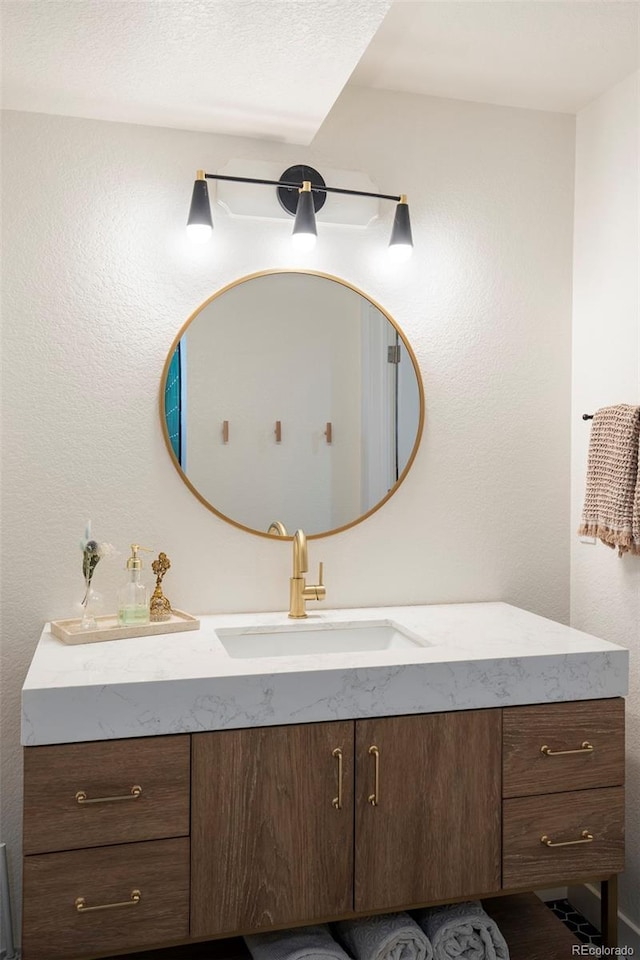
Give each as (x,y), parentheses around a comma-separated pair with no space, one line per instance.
(133,598)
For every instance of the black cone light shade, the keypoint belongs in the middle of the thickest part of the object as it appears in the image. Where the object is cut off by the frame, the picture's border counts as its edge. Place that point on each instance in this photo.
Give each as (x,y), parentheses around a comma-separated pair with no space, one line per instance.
(401,242)
(305,231)
(199,222)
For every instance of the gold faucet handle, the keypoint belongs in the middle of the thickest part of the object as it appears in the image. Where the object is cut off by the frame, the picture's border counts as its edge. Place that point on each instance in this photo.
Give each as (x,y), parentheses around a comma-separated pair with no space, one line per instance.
(320,588)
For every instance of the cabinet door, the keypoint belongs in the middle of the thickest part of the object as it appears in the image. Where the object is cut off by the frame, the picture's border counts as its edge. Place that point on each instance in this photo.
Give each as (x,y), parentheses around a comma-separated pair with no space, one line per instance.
(434,830)
(270,843)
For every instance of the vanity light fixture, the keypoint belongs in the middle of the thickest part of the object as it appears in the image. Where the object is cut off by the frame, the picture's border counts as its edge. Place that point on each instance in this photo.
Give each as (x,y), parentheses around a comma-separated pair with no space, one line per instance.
(200,224)
(305,232)
(301,192)
(401,243)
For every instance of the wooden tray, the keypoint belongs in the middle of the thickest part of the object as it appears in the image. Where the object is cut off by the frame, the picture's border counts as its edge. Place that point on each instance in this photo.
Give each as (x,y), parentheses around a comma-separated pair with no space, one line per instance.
(109,629)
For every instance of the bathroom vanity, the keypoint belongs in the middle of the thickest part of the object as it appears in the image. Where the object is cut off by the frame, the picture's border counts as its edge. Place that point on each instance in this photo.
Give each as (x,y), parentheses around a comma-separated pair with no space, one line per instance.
(181,788)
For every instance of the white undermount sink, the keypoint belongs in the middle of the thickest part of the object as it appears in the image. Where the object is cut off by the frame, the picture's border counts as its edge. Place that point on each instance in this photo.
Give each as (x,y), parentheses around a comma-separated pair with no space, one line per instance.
(313,638)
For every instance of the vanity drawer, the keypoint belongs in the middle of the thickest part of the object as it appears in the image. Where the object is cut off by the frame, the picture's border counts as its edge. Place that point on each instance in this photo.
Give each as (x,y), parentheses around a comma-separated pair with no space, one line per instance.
(562,818)
(54,928)
(106,772)
(565,728)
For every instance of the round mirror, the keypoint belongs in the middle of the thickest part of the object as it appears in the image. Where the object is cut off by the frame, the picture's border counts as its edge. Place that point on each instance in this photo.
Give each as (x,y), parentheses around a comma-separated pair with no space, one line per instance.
(291,400)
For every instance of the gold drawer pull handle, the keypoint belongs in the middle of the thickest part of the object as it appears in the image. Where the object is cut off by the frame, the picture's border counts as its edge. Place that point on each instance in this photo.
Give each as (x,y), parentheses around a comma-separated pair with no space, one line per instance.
(81,903)
(337,801)
(585,837)
(585,747)
(375,796)
(82,798)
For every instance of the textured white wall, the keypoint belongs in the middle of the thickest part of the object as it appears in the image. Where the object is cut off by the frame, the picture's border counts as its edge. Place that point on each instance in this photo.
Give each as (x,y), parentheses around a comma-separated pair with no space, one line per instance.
(605,589)
(99,277)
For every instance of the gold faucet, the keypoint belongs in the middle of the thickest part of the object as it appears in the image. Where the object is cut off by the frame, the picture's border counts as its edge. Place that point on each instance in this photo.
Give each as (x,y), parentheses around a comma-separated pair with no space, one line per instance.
(299,591)
(278,528)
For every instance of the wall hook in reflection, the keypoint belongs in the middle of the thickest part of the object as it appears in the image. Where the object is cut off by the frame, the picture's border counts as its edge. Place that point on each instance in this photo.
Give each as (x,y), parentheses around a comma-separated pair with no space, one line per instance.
(329,432)
(278,431)
(225,431)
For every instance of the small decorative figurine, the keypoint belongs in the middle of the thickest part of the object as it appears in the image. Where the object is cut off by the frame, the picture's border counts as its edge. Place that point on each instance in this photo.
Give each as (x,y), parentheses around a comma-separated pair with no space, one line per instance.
(160,608)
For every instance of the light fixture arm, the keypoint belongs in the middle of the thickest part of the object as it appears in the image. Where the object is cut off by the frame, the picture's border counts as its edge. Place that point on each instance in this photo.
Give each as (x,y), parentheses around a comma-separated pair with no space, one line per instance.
(298,186)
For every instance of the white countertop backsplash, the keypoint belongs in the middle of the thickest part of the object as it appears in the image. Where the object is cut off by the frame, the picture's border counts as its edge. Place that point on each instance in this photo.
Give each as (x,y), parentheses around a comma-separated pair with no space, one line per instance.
(478,655)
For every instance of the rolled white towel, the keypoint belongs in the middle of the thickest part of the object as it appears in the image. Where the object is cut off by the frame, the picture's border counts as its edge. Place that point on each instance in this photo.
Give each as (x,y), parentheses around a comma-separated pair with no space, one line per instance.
(302,943)
(464,931)
(393,936)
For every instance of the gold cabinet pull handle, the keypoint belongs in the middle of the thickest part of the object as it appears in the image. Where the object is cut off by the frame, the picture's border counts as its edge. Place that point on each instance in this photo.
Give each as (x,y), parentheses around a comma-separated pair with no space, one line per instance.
(585,747)
(585,837)
(82,799)
(337,801)
(375,796)
(81,903)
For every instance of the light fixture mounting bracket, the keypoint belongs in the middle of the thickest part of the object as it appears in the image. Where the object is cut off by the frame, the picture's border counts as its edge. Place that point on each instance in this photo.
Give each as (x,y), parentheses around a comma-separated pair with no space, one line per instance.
(288,196)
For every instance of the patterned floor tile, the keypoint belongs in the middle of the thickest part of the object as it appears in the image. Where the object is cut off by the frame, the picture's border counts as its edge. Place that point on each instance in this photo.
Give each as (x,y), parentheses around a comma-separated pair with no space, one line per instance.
(578,925)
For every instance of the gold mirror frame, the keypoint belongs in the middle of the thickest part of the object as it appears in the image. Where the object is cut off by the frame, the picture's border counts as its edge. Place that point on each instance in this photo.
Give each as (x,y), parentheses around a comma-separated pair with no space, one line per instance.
(165,432)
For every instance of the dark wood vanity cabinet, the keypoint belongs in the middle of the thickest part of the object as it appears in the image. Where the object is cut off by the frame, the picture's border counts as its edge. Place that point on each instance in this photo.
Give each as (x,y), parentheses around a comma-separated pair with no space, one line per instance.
(81,795)
(563,794)
(296,824)
(106,833)
(272,826)
(434,831)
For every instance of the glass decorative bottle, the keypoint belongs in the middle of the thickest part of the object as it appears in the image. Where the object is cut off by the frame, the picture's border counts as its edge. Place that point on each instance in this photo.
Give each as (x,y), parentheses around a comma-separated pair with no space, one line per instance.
(133,598)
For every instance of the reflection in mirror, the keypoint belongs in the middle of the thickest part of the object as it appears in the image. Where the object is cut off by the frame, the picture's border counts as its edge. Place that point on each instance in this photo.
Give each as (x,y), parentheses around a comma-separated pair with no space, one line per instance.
(291,400)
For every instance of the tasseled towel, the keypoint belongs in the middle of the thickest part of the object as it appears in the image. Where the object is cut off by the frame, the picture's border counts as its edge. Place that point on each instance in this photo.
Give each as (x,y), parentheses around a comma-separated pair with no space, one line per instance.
(611,509)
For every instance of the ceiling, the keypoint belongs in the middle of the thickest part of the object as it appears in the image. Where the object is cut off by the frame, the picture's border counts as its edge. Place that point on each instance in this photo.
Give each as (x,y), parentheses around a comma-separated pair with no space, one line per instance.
(274,68)
(260,68)
(544,55)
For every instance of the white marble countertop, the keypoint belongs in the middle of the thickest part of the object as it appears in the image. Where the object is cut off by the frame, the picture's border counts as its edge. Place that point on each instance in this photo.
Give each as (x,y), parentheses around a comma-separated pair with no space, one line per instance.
(476,655)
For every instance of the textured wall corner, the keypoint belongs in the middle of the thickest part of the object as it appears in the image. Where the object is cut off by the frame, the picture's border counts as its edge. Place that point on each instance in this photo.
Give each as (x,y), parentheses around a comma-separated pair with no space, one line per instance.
(605,589)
